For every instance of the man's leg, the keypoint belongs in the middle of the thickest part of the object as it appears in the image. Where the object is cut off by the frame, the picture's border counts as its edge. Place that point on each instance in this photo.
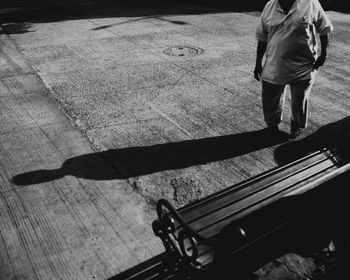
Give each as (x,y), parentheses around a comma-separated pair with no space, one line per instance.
(300,93)
(273,101)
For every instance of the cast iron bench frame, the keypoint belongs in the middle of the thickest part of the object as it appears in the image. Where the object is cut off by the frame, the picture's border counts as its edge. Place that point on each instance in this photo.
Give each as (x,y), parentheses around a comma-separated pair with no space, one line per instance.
(190,234)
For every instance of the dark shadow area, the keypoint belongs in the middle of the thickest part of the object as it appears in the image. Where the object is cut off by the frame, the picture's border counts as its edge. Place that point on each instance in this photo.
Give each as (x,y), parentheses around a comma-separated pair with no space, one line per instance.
(316,217)
(342,6)
(65,10)
(330,135)
(310,222)
(303,225)
(136,161)
(140,19)
(37,11)
(16,28)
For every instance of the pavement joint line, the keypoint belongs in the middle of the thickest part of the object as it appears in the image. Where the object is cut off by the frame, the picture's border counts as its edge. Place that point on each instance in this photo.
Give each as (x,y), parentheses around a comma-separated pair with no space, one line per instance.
(157,86)
(167,118)
(125,123)
(111,31)
(3,77)
(176,63)
(35,126)
(21,129)
(15,75)
(115,66)
(177,82)
(160,56)
(52,142)
(115,212)
(163,85)
(20,235)
(217,85)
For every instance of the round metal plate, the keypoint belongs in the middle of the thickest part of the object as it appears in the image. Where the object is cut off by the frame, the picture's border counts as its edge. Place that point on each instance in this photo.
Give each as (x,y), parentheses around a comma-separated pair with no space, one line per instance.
(183,51)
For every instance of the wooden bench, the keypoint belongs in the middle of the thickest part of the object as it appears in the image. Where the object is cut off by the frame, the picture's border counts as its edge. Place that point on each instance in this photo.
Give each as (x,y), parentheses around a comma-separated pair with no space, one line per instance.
(234,223)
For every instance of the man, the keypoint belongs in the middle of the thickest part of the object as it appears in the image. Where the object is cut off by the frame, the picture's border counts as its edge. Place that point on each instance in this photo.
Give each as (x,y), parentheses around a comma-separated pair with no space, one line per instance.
(287,33)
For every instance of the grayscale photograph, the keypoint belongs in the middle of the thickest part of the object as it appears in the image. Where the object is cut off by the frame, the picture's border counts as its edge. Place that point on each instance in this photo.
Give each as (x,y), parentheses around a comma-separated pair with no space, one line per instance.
(174,140)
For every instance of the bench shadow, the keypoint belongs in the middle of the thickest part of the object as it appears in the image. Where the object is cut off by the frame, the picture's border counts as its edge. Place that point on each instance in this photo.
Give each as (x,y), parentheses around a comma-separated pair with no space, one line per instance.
(327,217)
(136,161)
(304,236)
(330,135)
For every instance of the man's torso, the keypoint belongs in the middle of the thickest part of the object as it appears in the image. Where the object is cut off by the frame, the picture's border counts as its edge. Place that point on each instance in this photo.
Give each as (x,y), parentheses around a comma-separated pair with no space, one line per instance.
(291,42)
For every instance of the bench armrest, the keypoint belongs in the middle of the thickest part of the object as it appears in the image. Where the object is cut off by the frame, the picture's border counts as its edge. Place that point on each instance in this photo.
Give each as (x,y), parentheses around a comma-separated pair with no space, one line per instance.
(179,239)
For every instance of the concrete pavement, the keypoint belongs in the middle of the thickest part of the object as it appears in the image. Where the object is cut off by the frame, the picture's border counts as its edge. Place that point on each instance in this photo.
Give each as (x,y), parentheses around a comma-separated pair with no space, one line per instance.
(64,229)
(98,122)
(110,70)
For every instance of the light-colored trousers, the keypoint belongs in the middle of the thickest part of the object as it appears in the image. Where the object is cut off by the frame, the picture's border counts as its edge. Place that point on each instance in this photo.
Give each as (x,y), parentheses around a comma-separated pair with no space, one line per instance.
(273,98)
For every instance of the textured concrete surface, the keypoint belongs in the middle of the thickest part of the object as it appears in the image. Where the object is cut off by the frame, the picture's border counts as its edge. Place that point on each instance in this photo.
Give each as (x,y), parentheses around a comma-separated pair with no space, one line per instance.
(111,75)
(145,125)
(67,227)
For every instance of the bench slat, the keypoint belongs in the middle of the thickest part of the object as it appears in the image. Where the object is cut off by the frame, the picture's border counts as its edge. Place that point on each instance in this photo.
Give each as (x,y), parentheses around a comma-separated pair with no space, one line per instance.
(269,193)
(218,200)
(257,209)
(210,232)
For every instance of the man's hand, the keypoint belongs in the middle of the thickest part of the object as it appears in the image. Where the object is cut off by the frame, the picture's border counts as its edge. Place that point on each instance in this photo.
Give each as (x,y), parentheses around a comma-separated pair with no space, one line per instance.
(323,56)
(319,62)
(261,49)
(257,71)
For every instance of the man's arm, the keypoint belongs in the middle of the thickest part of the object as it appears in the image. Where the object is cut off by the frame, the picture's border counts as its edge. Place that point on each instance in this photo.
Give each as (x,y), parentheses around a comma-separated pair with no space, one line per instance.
(261,49)
(323,56)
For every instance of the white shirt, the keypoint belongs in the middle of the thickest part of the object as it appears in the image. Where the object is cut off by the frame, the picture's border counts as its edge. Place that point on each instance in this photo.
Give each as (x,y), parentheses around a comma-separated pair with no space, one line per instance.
(291,39)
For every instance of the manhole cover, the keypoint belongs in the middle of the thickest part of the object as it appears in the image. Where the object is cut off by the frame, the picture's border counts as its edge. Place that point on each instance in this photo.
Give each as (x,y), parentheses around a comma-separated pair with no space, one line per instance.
(183,51)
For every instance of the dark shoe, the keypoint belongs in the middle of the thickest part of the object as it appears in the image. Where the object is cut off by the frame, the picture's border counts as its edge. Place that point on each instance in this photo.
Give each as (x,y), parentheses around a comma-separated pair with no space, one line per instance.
(272,129)
(273,135)
(272,132)
(295,130)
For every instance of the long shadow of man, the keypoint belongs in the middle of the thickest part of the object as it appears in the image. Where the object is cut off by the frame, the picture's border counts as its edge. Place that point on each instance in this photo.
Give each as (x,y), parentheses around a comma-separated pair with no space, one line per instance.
(135,161)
